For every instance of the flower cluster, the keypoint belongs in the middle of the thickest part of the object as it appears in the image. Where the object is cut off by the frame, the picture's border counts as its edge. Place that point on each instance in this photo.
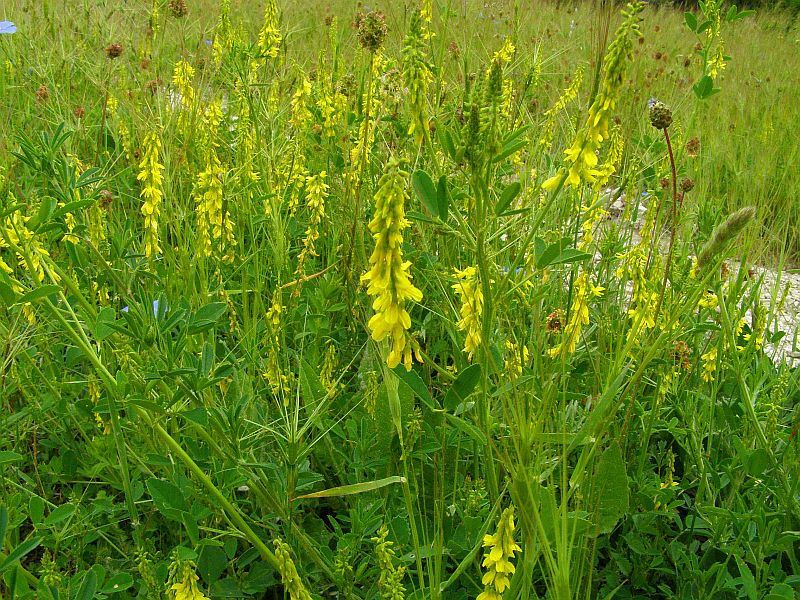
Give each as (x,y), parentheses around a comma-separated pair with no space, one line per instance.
(579,315)
(289,576)
(388,278)
(468,288)
(581,158)
(391,577)
(316,193)
(185,582)
(418,76)
(497,560)
(269,38)
(152,177)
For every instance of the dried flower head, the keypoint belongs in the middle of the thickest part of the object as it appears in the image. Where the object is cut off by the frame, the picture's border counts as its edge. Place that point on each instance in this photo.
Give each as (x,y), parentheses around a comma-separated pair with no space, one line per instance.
(42,94)
(660,114)
(113,50)
(693,147)
(178,8)
(79,112)
(371,29)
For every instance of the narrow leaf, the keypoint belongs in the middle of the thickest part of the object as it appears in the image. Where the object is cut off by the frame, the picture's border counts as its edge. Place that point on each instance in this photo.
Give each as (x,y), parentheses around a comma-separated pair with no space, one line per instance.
(356,488)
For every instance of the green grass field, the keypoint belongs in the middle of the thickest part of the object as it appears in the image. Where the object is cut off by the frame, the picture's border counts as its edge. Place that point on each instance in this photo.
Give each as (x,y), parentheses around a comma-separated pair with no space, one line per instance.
(442,300)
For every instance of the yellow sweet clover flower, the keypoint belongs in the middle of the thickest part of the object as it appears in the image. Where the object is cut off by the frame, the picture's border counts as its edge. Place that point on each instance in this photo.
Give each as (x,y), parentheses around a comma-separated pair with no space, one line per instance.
(390,581)
(316,193)
(497,560)
(301,115)
(388,278)
(223,34)
(517,357)
(152,178)
(580,159)
(468,287)
(506,52)
(417,75)
(182,81)
(185,588)
(709,365)
(717,62)
(709,300)
(269,38)
(579,315)
(289,576)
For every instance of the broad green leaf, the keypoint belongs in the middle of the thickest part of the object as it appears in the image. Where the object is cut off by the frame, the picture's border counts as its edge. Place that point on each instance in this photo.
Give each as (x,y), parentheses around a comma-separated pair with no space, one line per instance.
(691,20)
(356,488)
(167,497)
(39,292)
(59,514)
(415,383)
(117,583)
(462,387)
(507,197)
(611,486)
(19,552)
(757,462)
(104,326)
(88,586)
(426,191)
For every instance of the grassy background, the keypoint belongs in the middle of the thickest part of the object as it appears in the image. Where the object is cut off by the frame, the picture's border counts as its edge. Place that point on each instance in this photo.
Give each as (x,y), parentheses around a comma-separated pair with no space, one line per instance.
(749,155)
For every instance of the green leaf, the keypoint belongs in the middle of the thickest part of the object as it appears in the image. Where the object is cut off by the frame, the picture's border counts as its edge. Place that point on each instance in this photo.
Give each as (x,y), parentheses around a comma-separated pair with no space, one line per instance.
(44,213)
(167,497)
(757,462)
(705,88)
(356,488)
(88,586)
(781,591)
(426,191)
(205,318)
(36,509)
(7,456)
(507,197)
(691,20)
(415,383)
(462,387)
(571,255)
(3,523)
(104,326)
(442,198)
(19,552)
(612,488)
(118,583)
(40,292)
(510,148)
(59,514)
(7,294)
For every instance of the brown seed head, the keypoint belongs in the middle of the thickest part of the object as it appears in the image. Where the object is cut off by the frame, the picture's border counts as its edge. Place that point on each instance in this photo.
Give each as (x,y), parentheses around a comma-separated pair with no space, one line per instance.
(79,112)
(687,184)
(178,8)
(693,147)
(371,29)
(42,94)
(660,115)
(113,50)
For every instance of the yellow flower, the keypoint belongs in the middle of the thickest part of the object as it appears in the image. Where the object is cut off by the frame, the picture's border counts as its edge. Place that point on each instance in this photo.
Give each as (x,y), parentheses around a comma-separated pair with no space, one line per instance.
(709,365)
(388,279)
(151,175)
(269,38)
(186,588)
(497,560)
(469,288)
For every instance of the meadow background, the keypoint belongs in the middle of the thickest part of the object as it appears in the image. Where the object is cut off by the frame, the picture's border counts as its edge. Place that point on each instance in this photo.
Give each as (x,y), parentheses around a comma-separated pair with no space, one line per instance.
(307,300)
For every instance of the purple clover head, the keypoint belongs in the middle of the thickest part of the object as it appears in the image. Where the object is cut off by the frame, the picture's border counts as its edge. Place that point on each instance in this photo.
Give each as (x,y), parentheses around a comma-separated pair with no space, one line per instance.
(7,28)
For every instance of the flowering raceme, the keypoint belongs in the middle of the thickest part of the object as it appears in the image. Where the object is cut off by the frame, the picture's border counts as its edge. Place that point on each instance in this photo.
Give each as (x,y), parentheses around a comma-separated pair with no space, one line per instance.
(497,560)
(151,175)
(469,288)
(581,158)
(388,279)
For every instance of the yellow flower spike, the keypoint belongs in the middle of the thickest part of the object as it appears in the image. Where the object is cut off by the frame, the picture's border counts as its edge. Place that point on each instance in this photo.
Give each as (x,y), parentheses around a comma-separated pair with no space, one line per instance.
(152,178)
(469,289)
(497,560)
(388,278)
